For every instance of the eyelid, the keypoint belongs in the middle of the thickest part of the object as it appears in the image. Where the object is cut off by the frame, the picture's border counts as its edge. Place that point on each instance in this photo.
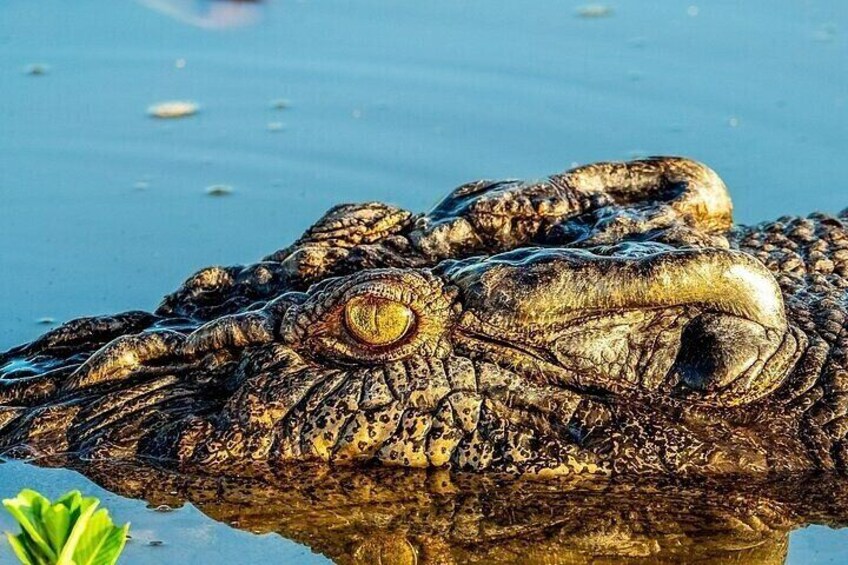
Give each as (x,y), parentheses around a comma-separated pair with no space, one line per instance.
(317,328)
(382,290)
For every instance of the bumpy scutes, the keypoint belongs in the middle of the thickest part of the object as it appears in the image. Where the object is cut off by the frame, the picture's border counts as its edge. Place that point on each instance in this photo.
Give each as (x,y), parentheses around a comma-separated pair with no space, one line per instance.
(606,320)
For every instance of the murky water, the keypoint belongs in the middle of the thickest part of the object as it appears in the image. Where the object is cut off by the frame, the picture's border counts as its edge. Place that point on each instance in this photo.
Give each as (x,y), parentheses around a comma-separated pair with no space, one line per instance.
(103,208)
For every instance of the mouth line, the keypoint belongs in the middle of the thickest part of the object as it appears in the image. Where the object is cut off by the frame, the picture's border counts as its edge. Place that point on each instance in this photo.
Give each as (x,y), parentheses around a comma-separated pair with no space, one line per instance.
(544,364)
(537,364)
(531,351)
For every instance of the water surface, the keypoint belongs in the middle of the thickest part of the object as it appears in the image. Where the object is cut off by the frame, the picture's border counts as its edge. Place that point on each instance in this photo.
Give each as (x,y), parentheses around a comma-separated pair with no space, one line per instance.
(104,209)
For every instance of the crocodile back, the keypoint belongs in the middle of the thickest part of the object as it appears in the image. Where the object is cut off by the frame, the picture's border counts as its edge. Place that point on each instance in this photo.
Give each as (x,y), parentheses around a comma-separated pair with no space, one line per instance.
(809,258)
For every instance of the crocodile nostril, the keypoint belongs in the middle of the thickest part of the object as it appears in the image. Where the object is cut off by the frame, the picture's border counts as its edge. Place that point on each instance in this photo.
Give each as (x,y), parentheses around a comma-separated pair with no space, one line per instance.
(718,349)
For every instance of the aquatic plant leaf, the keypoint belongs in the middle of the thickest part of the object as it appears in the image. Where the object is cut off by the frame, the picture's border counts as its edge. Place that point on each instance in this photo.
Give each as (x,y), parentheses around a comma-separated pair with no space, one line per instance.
(101,542)
(26,550)
(87,508)
(56,519)
(18,544)
(71,531)
(28,508)
(72,501)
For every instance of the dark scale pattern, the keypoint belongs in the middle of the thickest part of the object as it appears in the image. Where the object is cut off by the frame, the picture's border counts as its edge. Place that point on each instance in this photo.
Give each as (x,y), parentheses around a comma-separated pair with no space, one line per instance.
(810,259)
(607,320)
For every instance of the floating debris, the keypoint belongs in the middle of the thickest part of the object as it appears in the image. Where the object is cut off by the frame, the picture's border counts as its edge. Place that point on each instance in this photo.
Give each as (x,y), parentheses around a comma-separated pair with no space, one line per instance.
(357,113)
(594,11)
(733,121)
(280,104)
(275,126)
(173,109)
(219,190)
(635,76)
(37,69)
(180,63)
(693,11)
(155,543)
(141,185)
(163,508)
(46,321)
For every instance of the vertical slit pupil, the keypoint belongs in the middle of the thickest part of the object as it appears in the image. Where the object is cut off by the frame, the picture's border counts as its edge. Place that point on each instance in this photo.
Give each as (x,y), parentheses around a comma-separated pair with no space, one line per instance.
(377,321)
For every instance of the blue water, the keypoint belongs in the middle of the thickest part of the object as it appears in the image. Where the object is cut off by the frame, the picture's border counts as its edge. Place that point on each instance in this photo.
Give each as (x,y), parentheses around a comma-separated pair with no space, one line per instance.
(104,209)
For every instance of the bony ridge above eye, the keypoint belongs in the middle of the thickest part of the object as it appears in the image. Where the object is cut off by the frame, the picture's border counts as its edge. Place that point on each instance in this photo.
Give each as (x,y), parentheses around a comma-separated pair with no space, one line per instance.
(377,321)
(373,317)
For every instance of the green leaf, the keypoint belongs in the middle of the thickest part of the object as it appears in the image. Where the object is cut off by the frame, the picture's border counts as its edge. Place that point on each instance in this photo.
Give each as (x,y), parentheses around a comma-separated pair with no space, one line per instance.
(26,551)
(72,501)
(20,549)
(102,541)
(87,509)
(57,525)
(71,531)
(28,508)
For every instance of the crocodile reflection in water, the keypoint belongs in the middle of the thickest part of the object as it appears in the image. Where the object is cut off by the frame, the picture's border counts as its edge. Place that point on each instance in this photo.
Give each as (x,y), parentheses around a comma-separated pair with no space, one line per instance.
(402,517)
(608,320)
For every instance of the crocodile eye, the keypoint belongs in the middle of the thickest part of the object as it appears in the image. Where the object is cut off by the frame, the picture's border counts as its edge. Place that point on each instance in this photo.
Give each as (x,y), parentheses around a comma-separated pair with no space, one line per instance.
(377,321)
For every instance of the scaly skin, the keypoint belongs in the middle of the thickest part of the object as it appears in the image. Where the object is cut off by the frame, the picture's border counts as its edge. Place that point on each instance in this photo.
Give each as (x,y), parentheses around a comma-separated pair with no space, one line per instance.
(609,320)
(407,517)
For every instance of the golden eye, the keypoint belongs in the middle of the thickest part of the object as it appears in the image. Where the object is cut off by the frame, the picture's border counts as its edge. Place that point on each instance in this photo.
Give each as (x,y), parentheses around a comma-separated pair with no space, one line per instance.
(377,321)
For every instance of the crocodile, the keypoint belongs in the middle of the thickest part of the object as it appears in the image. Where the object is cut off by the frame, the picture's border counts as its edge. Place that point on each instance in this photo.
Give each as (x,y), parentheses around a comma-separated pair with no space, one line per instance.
(609,320)
(354,515)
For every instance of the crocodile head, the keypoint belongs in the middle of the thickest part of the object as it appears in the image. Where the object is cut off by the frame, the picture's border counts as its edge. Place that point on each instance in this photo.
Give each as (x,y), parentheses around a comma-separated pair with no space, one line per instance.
(606,320)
